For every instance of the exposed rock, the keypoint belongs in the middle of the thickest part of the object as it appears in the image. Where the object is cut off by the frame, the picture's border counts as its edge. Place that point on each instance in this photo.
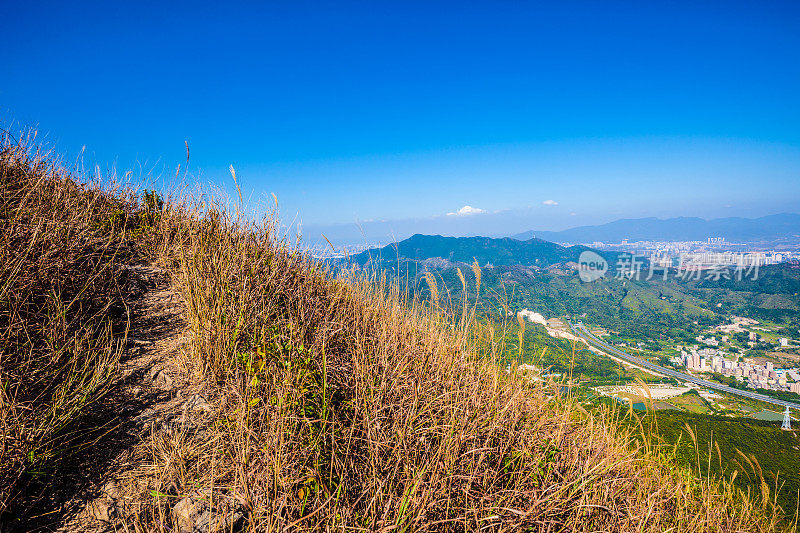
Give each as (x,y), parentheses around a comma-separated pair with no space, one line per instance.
(111,490)
(188,513)
(145,417)
(141,342)
(103,509)
(194,515)
(160,378)
(195,402)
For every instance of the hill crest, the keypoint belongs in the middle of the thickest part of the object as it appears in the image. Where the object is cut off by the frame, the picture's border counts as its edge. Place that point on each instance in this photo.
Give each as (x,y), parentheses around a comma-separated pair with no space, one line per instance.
(504,251)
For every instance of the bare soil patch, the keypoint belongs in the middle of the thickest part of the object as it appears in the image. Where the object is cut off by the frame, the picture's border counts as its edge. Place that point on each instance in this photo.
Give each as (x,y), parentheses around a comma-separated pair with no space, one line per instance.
(150,393)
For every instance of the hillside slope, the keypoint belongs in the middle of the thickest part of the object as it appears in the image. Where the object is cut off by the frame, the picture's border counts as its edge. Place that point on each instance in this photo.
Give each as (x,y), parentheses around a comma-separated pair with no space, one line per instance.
(329,403)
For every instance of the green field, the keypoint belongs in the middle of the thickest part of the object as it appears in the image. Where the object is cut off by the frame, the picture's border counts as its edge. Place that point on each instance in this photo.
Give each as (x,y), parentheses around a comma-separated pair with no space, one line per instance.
(719,441)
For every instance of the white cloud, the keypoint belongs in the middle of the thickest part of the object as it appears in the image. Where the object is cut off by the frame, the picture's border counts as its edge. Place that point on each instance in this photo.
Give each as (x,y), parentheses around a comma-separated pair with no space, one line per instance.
(466,211)
(550,202)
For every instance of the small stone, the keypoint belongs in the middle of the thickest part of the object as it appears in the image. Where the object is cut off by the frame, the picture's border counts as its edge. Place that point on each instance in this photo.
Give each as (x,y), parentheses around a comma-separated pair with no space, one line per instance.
(188,514)
(195,402)
(111,490)
(195,516)
(162,380)
(103,509)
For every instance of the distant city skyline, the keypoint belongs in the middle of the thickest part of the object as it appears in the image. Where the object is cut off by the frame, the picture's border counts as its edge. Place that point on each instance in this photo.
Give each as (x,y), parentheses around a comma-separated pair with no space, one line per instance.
(741,229)
(436,118)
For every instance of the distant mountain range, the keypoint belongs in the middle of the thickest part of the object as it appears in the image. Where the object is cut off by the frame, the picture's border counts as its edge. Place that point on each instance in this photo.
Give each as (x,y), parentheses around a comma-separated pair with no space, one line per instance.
(781,227)
(505,251)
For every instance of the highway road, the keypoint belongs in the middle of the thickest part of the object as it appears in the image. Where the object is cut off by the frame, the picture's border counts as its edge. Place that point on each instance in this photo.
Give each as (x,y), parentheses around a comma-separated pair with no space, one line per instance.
(580,330)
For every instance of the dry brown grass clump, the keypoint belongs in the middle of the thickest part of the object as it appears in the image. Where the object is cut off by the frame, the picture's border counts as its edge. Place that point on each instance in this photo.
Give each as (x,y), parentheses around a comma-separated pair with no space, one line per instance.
(61,244)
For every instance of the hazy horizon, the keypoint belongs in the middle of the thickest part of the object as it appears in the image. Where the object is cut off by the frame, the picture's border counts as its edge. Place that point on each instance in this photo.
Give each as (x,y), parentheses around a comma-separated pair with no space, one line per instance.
(477,225)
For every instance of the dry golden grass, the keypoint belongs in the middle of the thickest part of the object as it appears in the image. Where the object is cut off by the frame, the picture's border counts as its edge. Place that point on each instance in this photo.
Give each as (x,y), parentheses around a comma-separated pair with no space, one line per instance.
(339,402)
(62,323)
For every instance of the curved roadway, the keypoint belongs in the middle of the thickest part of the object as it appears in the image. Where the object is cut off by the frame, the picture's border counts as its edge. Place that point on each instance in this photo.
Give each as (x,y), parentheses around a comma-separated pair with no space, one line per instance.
(580,330)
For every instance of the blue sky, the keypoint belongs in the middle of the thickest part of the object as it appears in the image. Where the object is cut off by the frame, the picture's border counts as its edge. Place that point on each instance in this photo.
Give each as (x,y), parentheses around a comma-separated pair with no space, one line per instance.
(409,111)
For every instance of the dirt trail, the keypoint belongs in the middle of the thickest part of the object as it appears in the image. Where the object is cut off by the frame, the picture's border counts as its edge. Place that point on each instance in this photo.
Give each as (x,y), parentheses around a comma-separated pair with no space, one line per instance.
(149,394)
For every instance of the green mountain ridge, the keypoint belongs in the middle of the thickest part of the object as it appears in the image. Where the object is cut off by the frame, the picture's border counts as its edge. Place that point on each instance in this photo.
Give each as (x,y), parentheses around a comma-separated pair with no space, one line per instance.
(485,250)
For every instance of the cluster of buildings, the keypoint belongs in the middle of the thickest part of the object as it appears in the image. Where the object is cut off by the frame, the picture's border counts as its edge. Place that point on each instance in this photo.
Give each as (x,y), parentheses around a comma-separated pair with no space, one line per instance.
(756,376)
(325,250)
(700,255)
(733,259)
(707,260)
